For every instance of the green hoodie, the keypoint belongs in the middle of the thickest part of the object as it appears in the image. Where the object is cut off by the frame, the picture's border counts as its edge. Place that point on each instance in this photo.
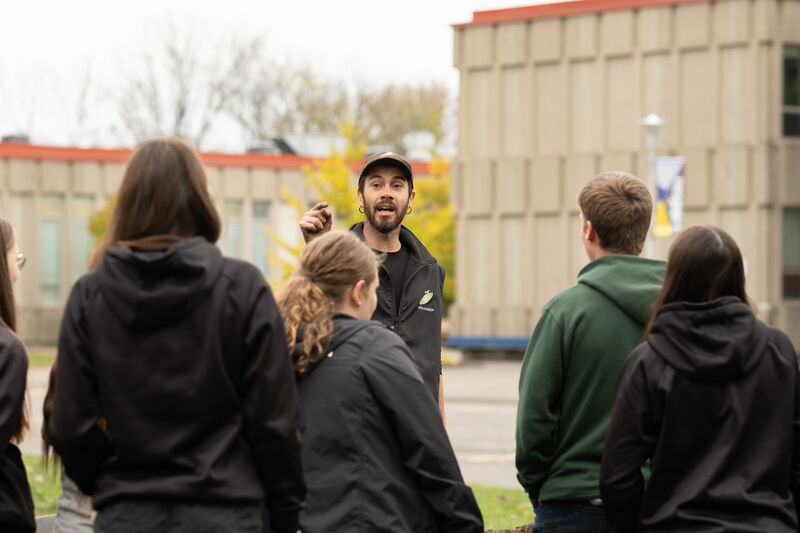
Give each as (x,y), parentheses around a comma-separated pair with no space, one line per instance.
(570,371)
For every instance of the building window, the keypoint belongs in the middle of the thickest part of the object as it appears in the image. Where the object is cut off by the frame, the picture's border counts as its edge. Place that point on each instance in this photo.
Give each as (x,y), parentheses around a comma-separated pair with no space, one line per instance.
(81,241)
(791,252)
(791,91)
(51,218)
(260,236)
(232,233)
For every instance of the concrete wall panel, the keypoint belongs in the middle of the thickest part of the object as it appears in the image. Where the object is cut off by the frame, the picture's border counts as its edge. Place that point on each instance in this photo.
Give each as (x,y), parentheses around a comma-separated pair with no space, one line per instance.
(55,176)
(697,99)
(655,29)
(513,319)
(481,274)
(737,107)
(112,177)
(741,226)
(551,263)
(616,29)
(458,48)
(790,20)
(263,184)
(658,96)
(235,182)
(23,175)
(693,25)
(478,190)
(581,36)
(579,170)
(478,46)
(550,110)
(622,128)
(87,177)
(732,176)
(512,43)
(585,110)
(516,127)
(545,37)
(764,175)
(481,110)
(732,21)
(765,19)
(623,162)
(512,185)
(698,177)
(545,181)
(790,193)
(516,250)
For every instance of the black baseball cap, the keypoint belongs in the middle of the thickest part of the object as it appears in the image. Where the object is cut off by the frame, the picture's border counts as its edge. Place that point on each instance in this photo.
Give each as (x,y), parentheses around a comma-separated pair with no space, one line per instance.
(390,159)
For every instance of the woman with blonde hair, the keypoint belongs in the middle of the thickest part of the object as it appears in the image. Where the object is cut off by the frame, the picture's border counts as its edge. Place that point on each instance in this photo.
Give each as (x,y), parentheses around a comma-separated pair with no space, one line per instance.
(174,406)
(375,453)
(16,503)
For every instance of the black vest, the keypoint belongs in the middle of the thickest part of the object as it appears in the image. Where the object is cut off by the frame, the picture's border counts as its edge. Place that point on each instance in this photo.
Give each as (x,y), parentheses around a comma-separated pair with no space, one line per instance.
(419,321)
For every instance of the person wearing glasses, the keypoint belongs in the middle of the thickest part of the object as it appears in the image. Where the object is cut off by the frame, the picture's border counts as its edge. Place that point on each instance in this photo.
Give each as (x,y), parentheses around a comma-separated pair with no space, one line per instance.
(16,503)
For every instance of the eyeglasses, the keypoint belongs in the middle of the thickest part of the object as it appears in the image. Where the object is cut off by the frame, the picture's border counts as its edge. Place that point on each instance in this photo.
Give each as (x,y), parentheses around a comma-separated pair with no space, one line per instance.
(21,260)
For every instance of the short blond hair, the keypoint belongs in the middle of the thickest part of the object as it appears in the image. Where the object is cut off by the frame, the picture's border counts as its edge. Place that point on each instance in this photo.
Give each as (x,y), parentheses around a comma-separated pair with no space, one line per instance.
(619,206)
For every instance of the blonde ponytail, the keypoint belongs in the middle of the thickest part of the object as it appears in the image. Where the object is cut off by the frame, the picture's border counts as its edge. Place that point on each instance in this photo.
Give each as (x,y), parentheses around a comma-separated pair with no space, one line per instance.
(329,265)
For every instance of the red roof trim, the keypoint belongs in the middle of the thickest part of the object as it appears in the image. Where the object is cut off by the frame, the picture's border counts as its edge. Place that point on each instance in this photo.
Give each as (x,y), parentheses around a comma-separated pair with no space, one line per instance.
(562,9)
(214,159)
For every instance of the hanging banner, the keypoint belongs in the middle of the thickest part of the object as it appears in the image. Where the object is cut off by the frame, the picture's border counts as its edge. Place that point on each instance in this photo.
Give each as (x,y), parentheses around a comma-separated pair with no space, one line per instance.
(670,185)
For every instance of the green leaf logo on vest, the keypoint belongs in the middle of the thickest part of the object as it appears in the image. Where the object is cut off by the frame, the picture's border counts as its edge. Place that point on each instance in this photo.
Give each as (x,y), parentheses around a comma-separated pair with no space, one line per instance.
(427,297)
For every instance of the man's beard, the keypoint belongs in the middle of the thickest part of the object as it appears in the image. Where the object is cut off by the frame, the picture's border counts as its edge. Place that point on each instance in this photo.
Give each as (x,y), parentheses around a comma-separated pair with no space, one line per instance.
(385,225)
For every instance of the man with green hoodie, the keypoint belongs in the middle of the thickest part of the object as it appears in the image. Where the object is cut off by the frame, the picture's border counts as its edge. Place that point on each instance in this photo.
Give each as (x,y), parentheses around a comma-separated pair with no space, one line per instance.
(574,357)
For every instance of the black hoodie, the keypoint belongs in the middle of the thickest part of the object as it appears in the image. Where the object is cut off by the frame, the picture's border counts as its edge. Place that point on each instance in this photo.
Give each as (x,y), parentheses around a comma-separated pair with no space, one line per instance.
(16,503)
(713,400)
(375,453)
(182,353)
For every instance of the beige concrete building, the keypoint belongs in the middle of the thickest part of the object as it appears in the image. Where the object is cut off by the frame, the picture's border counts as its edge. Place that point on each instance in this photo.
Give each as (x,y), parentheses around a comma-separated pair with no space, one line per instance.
(50,193)
(552,94)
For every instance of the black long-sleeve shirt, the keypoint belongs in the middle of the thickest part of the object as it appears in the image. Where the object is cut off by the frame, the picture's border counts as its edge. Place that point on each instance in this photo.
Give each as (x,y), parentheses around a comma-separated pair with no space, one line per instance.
(181,353)
(16,504)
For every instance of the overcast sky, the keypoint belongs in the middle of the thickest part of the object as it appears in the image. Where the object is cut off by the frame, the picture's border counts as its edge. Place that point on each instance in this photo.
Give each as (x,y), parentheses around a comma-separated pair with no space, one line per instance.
(47,46)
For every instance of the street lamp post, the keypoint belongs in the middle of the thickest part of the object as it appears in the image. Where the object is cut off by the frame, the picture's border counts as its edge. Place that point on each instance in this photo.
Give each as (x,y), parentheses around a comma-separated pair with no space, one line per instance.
(652,124)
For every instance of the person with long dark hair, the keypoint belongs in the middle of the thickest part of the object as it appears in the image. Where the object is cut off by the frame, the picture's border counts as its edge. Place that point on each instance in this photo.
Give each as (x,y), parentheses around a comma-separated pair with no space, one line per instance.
(16,503)
(175,406)
(375,453)
(712,400)
(74,511)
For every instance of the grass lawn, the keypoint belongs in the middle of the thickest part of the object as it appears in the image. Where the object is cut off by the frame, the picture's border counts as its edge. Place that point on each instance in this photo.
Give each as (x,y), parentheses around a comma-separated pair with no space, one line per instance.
(502,508)
(45,484)
(41,357)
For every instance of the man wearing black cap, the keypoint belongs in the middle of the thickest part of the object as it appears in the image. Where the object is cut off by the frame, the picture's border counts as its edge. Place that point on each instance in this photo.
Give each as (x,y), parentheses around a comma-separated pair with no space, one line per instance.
(411,280)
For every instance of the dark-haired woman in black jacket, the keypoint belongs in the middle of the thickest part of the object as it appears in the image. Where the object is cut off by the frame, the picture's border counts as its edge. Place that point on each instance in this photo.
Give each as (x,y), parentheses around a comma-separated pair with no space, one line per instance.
(712,399)
(375,453)
(175,405)
(16,504)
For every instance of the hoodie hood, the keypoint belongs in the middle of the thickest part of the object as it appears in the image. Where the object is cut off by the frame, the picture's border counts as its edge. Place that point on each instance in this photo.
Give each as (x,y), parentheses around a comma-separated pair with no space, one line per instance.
(151,288)
(344,327)
(718,340)
(631,282)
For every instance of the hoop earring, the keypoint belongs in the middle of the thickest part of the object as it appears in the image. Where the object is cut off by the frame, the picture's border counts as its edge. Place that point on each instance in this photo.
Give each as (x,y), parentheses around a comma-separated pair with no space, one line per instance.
(361,209)
(409,210)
